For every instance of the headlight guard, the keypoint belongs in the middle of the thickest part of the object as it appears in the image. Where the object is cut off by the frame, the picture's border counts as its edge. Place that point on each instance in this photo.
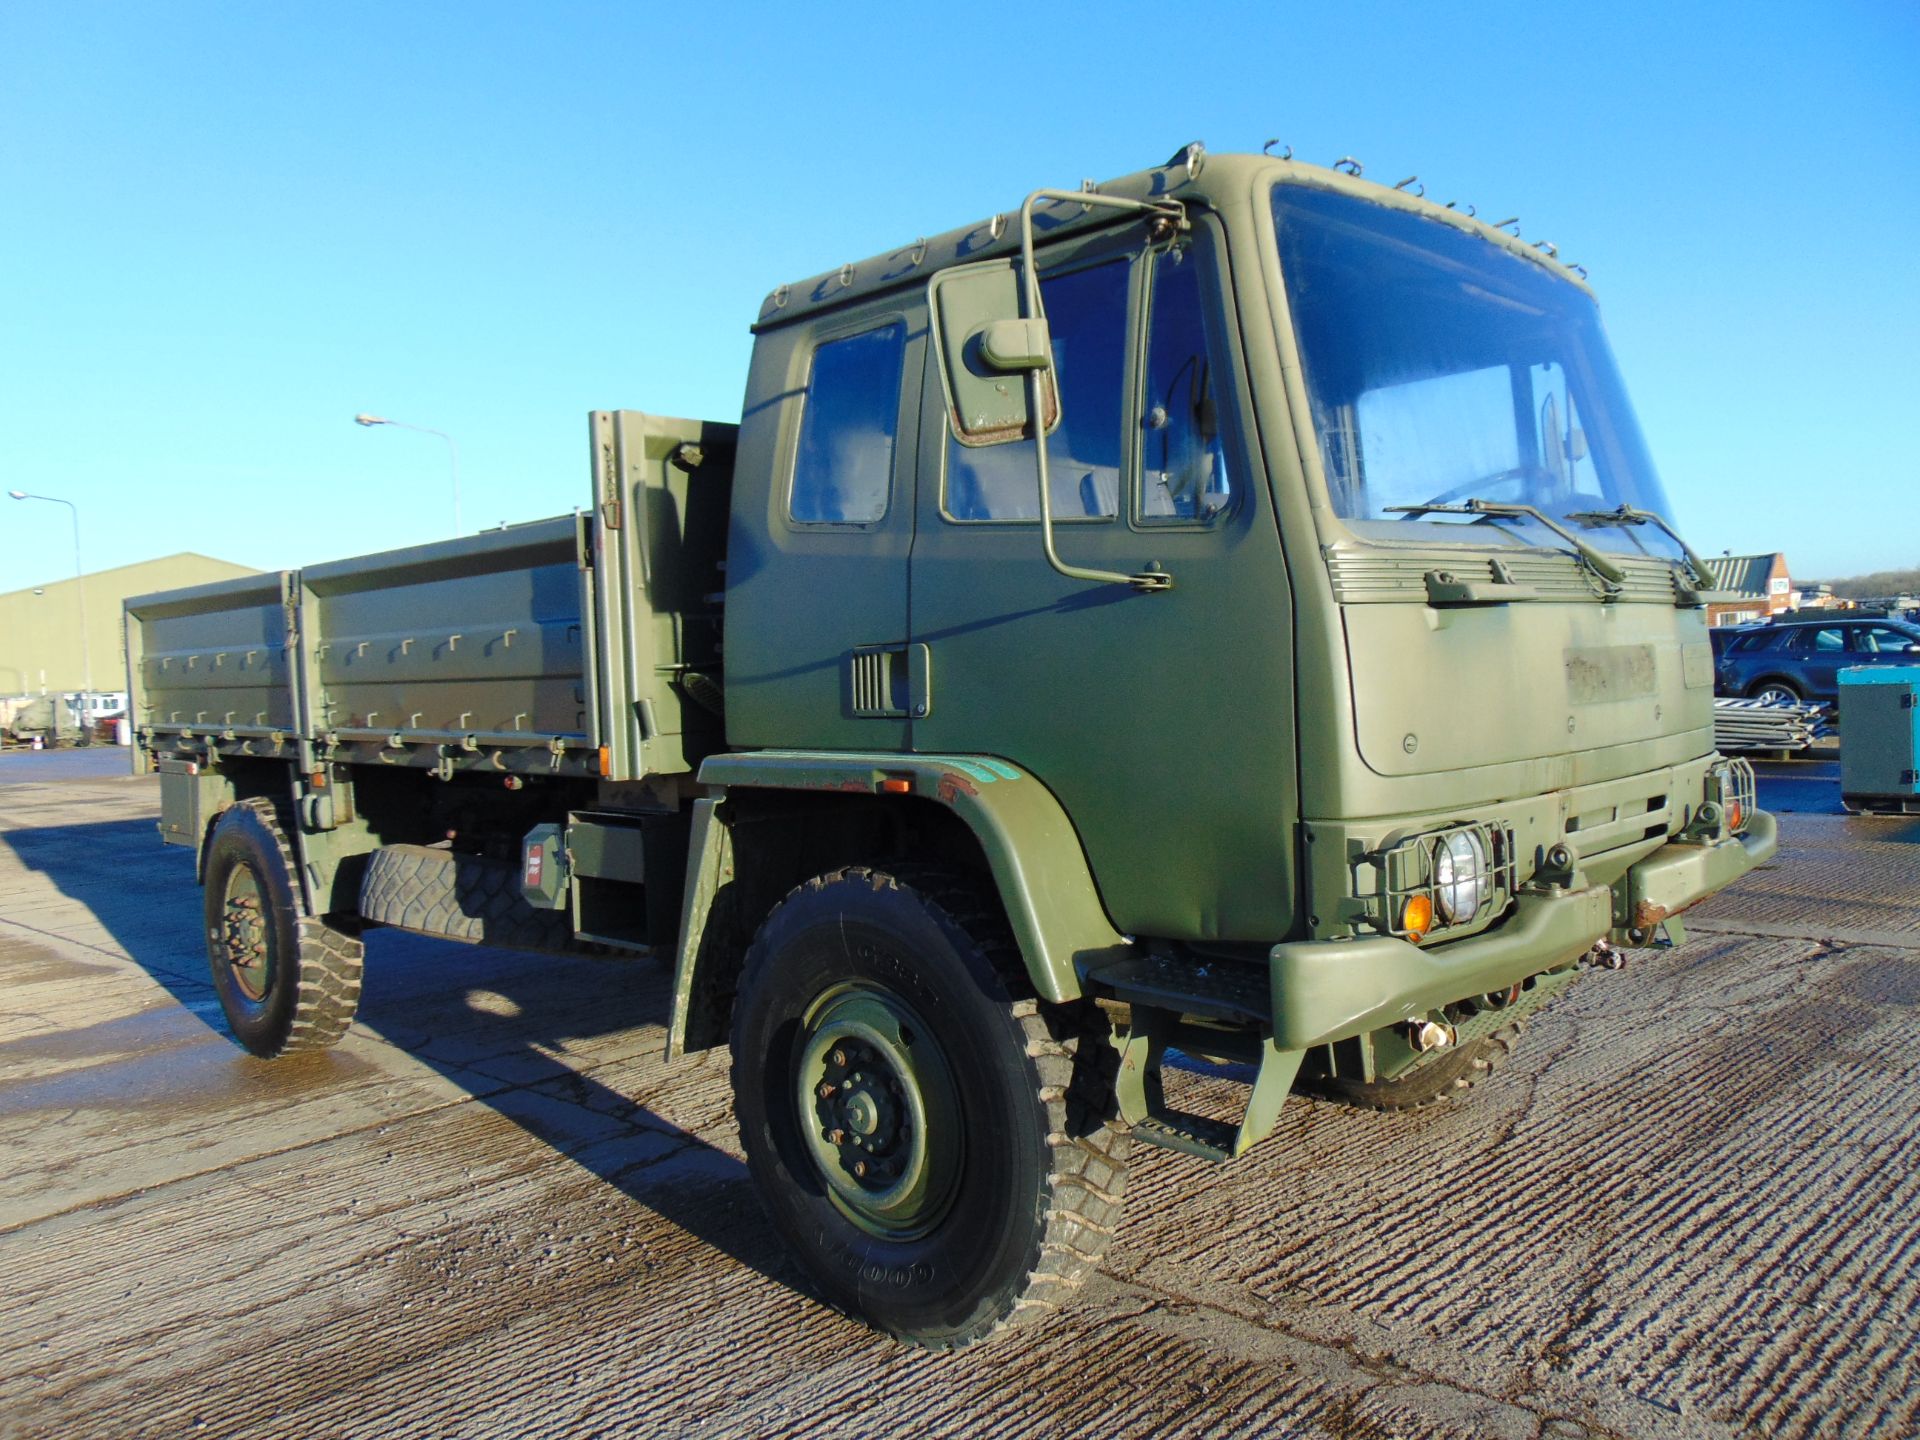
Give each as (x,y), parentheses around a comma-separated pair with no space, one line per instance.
(1443,881)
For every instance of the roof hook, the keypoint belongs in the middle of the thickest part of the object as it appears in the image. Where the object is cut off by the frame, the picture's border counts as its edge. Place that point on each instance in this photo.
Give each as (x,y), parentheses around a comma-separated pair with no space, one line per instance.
(1419,190)
(1467,210)
(1553,250)
(1347,165)
(1514,221)
(1286,151)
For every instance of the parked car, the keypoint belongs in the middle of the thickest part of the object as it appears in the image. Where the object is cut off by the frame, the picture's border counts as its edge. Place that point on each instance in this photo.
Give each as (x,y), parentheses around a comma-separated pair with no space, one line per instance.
(1800,660)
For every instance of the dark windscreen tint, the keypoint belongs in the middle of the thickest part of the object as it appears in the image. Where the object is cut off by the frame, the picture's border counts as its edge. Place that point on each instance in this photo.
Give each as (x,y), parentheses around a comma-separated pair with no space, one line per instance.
(1442,368)
(1757,641)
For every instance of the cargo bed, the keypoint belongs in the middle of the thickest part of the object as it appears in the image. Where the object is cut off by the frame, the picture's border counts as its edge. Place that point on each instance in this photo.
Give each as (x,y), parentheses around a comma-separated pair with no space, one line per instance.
(480,653)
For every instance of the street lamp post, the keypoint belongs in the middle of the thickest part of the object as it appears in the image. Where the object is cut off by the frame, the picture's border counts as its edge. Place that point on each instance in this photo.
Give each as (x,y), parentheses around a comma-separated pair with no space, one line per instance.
(453,449)
(80,588)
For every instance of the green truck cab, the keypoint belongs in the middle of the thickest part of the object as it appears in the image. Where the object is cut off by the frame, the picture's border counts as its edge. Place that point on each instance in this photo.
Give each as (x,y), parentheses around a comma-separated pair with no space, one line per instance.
(1223,614)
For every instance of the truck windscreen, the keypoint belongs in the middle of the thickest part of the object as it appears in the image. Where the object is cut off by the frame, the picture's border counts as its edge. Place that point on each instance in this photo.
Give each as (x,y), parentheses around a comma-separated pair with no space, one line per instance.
(1441,368)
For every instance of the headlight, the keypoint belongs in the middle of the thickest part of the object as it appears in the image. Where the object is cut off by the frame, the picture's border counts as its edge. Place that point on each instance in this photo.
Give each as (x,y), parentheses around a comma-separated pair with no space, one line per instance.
(1459,875)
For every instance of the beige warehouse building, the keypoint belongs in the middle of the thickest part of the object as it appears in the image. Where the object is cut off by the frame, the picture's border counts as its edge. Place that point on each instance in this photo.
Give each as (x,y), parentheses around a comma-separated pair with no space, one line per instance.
(40,647)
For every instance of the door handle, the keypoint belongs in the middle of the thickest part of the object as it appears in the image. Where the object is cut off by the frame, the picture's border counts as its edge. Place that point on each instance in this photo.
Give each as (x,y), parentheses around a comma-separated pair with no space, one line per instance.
(890,682)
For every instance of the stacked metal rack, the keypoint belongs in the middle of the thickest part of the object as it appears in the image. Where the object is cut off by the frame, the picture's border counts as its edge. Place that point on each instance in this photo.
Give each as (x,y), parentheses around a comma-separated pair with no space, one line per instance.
(1746,725)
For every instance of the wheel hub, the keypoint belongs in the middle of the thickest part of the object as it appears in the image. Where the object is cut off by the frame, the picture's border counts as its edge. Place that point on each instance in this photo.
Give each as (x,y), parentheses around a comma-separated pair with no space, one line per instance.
(244,935)
(878,1111)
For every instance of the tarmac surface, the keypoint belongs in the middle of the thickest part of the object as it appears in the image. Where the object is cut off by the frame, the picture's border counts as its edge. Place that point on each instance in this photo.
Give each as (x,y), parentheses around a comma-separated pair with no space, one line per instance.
(1689,1206)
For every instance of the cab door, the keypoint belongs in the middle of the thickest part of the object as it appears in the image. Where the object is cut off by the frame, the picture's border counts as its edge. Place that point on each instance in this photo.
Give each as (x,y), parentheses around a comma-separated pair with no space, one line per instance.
(1162,721)
(823,520)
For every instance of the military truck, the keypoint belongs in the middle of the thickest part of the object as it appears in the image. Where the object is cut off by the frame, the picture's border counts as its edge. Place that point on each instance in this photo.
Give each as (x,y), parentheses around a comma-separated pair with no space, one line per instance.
(1218,621)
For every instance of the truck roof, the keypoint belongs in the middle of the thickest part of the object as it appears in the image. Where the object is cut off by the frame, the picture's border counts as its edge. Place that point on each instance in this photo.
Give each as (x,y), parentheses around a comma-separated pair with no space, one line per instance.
(1192,176)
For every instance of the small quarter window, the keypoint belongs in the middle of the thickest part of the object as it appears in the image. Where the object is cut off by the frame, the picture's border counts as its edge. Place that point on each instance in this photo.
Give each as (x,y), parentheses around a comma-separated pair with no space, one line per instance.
(1183,466)
(843,465)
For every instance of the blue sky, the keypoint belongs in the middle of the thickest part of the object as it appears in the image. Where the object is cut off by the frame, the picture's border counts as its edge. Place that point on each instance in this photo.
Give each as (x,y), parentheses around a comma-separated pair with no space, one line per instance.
(225,228)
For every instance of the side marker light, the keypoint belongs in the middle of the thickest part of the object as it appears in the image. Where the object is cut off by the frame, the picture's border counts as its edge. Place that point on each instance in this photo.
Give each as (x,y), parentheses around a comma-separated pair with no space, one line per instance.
(1417,917)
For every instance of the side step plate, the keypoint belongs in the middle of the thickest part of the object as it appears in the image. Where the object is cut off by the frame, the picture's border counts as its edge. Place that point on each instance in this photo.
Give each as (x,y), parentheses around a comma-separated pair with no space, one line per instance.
(1225,990)
(1189,1134)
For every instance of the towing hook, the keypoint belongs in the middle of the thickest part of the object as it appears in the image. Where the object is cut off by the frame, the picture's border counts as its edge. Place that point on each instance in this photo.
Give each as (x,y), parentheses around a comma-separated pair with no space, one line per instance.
(1604,957)
(1425,1035)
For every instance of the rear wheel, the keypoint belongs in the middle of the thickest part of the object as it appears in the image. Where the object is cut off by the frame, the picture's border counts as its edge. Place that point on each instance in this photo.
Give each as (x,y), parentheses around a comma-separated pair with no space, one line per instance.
(934,1144)
(287,981)
(1776,692)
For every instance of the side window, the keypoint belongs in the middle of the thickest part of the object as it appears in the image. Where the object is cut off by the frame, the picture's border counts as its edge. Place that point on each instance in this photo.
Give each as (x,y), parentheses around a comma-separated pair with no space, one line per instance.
(1087,312)
(1881,640)
(1183,466)
(843,465)
(1828,640)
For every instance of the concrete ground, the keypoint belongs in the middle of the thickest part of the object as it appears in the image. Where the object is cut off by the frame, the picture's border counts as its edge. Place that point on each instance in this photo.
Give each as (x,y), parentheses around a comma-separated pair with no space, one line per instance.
(1690,1205)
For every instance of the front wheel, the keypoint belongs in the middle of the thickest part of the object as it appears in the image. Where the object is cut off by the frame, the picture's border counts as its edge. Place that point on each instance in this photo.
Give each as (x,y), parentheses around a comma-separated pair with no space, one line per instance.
(935,1146)
(1776,692)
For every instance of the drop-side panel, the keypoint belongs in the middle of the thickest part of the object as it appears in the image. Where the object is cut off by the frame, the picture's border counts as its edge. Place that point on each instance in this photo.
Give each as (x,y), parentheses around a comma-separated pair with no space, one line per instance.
(478,639)
(213,658)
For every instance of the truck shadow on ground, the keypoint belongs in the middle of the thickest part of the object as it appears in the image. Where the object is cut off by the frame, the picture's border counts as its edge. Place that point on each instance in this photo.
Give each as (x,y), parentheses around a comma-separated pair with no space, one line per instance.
(520,1032)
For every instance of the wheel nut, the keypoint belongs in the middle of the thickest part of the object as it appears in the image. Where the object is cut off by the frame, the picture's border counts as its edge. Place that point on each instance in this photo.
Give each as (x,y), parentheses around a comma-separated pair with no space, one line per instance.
(860,1169)
(839,1057)
(836,1137)
(825,1090)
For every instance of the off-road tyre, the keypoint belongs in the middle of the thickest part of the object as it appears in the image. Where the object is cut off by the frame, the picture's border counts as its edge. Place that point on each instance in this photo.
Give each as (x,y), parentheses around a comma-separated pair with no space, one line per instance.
(1448,1075)
(1035,1192)
(303,988)
(435,891)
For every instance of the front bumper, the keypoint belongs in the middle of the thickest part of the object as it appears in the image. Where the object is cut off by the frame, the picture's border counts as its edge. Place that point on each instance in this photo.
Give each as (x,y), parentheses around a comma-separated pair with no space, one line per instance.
(1325,990)
(1676,876)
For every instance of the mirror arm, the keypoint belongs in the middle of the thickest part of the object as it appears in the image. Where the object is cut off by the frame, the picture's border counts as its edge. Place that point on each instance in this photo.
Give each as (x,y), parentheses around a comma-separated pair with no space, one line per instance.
(1146,581)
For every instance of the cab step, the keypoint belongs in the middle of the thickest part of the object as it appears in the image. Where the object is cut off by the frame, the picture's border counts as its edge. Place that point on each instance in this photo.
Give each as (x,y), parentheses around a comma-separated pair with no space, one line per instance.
(1142,1095)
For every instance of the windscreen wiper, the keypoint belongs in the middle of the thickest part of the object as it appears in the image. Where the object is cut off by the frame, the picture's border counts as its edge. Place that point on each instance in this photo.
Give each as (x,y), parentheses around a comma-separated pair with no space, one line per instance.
(1629,515)
(1611,576)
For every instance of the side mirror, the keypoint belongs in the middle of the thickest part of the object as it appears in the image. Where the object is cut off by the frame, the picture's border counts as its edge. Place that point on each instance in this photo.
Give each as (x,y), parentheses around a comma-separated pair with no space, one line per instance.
(986,349)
